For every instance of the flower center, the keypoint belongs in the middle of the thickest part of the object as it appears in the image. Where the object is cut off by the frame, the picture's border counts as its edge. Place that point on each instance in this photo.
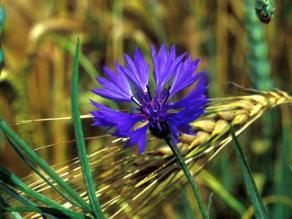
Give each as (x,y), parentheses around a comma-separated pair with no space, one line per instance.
(155,111)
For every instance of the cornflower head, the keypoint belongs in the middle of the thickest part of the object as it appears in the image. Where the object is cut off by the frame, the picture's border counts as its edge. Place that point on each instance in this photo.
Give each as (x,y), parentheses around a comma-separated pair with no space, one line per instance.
(150,109)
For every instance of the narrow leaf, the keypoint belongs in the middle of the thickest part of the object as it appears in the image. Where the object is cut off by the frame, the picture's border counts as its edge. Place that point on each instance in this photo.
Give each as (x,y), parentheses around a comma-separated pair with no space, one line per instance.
(3,205)
(31,164)
(260,211)
(29,152)
(86,171)
(14,181)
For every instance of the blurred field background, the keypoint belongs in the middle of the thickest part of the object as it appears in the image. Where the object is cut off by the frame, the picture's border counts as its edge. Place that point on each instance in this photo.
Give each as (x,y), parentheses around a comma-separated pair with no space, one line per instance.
(234,46)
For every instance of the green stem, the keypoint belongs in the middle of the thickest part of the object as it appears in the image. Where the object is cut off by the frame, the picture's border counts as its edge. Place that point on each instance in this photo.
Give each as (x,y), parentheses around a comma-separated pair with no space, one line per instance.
(259,209)
(43,165)
(50,202)
(85,167)
(36,170)
(189,177)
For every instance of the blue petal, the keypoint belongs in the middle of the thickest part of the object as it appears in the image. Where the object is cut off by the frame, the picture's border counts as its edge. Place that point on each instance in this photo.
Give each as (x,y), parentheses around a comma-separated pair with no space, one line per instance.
(187,115)
(137,70)
(116,88)
(173,133)
(164,64)
(186,128)
(197,95)
(179,122)
(138,137)
(183,76)
(122,122)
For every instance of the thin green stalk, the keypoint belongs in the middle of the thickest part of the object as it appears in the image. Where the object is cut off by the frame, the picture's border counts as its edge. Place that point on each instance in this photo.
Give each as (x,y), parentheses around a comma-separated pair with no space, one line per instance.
(35,169)
(189,177)
(260,69)
(259,209)
(83,60)
(3,205)
(86,171)
(23,209)
(31,209)
(282,170)
(22,199)
(43,165)
(14,181)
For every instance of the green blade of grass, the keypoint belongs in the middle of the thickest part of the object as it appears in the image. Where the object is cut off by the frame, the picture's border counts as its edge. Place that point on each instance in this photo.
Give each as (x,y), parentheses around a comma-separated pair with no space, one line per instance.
(13,194)
(52,213)
(28,151)
(12,180)
(23,200)
(3,205)
(260,211)
(188,175)
(282,170)
(86,171)
(35,169)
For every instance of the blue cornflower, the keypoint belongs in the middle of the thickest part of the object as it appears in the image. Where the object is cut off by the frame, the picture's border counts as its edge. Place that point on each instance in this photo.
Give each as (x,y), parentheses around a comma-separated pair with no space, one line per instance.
(153,110)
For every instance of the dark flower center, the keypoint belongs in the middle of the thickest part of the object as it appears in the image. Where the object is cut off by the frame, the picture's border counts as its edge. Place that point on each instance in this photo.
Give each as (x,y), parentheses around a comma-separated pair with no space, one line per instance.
(159,129)
(154,110)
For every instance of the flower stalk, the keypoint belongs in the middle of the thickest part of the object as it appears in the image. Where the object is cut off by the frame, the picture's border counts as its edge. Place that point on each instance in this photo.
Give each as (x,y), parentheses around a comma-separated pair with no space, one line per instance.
(189,177)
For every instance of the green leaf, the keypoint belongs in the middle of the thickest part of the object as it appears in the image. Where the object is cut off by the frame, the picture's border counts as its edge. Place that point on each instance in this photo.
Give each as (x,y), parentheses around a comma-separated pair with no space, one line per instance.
(21,199)
(188,175)
(4,204)
(31,164)
(86,171)
(14,181)
(260,211)
(11,192)
(29,152)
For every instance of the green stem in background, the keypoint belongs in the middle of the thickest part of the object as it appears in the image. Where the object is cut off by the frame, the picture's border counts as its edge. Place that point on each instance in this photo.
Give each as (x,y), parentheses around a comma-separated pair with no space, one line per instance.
(86,171)
(259,209)
(259,71)
(189,177)
(157,24)
(68,45)
(282,170)
(264,10)
(259,64)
